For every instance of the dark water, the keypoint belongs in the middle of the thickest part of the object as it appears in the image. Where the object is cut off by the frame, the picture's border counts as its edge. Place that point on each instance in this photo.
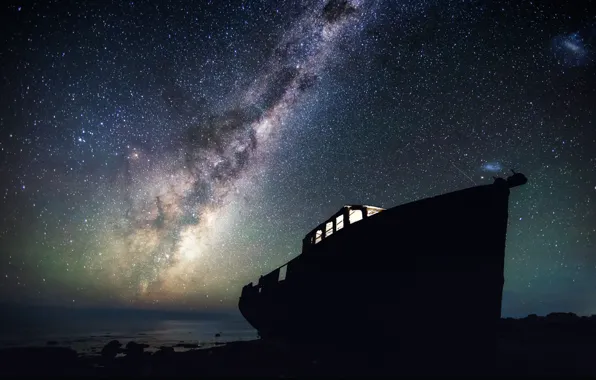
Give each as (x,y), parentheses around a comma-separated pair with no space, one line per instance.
(89,331)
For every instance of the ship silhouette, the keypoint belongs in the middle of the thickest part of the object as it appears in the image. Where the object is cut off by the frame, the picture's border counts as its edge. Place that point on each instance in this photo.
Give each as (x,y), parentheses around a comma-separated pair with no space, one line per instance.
(423,280)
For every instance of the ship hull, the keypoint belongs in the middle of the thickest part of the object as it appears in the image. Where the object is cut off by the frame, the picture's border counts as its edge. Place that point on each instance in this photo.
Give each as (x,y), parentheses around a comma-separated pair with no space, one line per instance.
(423,280)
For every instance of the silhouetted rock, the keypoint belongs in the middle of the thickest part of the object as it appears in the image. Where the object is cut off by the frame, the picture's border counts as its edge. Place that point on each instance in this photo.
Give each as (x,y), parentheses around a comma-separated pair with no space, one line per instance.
(110,350)
(51,343)
(164,351)
(562,317)
(135,349)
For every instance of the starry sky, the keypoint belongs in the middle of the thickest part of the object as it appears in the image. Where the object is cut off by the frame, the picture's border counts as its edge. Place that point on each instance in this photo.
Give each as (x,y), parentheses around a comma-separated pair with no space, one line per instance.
(163,154)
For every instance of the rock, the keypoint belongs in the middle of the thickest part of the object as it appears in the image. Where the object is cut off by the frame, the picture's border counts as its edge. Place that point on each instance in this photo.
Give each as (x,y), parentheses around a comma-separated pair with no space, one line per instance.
(164,352)
(110,350)
(135,349)
(166,349)
(187,345)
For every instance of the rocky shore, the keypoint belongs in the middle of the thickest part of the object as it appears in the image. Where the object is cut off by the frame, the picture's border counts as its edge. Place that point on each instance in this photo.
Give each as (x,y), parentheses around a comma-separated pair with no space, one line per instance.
(559,344)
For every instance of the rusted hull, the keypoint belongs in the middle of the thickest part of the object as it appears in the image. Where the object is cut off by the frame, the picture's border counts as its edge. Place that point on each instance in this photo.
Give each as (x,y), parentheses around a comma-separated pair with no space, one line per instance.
(424,279)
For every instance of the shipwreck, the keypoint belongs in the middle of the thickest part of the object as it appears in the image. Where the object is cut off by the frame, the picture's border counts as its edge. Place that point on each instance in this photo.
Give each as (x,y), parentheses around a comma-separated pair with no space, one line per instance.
(423,279)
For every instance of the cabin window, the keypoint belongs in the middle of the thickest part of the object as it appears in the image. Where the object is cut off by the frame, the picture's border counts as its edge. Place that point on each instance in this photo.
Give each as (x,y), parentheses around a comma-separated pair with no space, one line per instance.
(282,273)
(355,215)
(371,211)
(318,236)
(339,222)
(329,228)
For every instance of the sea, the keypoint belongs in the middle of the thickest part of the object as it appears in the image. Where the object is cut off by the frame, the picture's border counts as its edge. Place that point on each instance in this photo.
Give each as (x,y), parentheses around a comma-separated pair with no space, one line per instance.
(89,332)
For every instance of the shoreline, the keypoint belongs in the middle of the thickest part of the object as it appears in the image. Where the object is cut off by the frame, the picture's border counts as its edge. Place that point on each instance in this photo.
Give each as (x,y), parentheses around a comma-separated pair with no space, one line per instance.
(558,344)
(260,358)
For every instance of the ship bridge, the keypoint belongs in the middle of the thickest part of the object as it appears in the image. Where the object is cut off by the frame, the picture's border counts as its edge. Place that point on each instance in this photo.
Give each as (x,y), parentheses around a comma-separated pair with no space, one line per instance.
(346,216)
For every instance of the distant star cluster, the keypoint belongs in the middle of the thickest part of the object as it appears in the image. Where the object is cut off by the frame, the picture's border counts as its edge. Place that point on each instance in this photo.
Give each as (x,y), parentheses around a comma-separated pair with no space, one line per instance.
(165,154)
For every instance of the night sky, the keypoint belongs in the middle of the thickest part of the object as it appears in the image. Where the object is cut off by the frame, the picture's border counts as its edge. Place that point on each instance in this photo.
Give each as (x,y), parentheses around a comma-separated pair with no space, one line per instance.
(163,154)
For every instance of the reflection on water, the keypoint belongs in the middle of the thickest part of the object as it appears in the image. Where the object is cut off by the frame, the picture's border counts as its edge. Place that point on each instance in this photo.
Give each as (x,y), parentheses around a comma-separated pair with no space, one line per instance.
(90,335)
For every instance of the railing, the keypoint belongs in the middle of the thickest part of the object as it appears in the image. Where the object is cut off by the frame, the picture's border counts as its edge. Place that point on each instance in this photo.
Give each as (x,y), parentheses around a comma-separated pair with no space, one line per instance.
(271,279)
(348,215)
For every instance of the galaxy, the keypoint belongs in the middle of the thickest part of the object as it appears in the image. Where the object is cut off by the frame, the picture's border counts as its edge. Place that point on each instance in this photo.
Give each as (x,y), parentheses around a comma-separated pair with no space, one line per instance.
(492,167)
(164,155)
(571,50)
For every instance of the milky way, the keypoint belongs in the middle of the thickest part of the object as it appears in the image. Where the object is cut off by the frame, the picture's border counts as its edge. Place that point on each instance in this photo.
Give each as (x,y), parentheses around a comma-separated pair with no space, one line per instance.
(157,233)
(163,244)
(164,155)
